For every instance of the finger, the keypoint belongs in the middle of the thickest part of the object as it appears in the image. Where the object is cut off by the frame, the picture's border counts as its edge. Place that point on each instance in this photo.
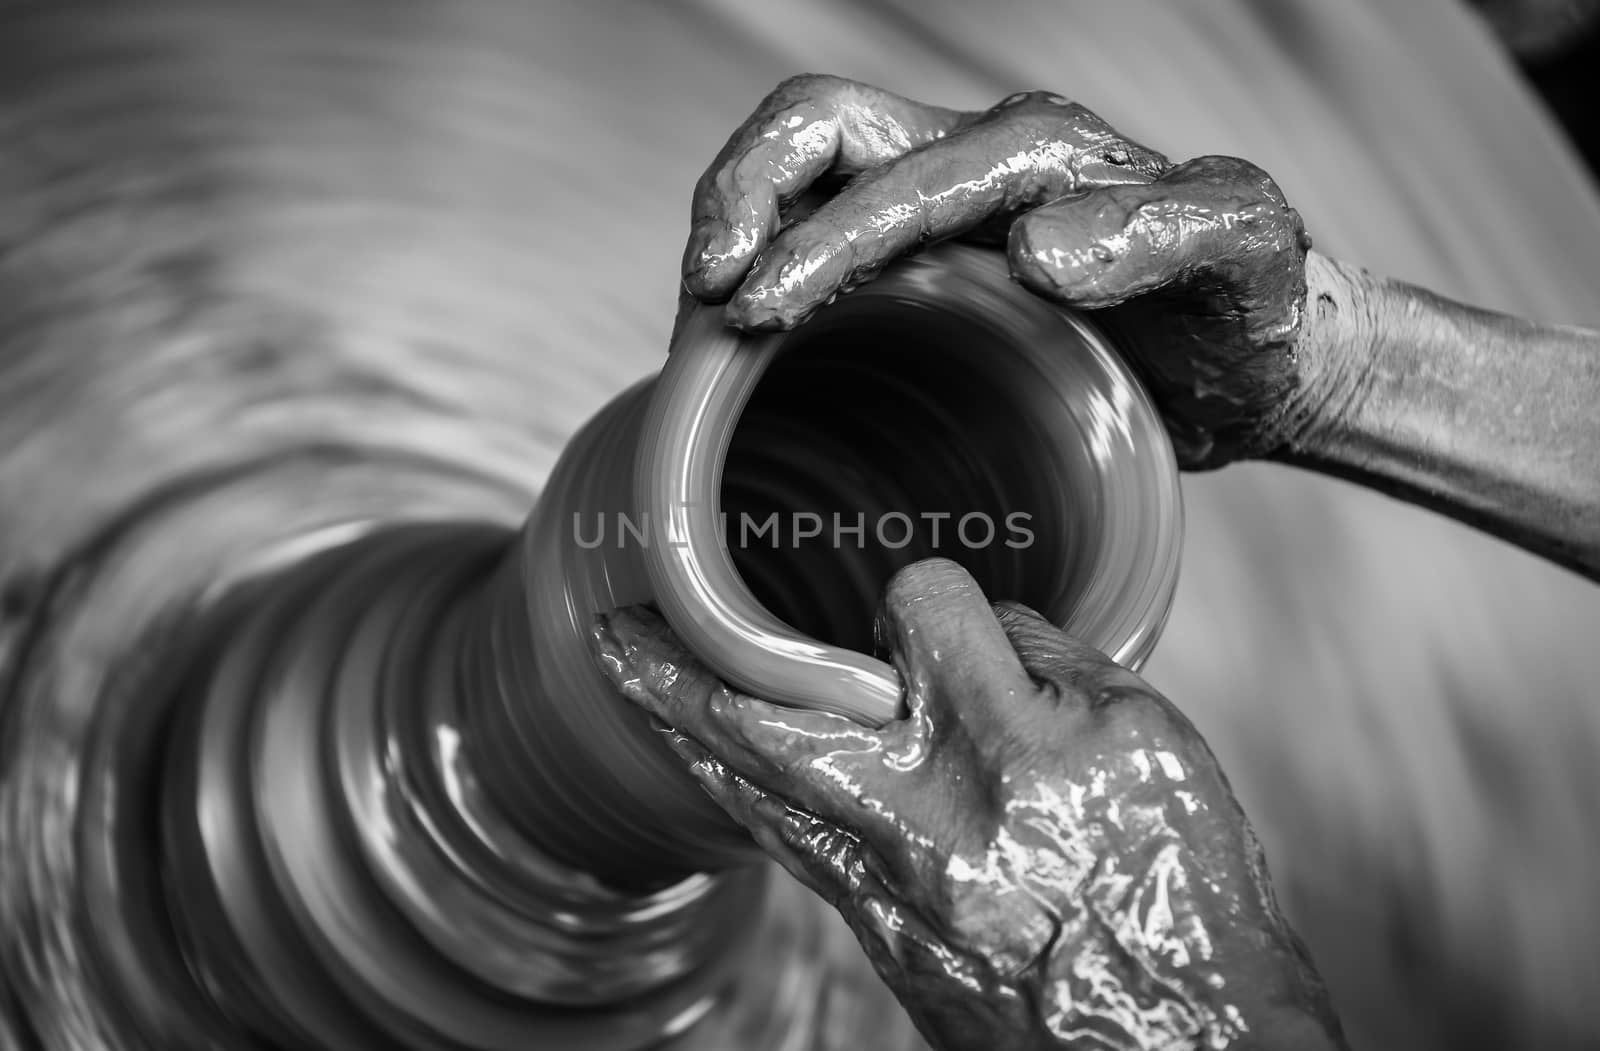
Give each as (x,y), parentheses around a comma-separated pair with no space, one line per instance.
(1214,220)
(821,856)
(1054,658)
(807,126)
(817,760)
(1028,150)
(942,635)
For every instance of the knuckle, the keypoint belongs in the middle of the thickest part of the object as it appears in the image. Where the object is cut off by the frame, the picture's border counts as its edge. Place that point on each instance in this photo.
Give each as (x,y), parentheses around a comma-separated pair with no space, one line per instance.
(1051,116)
(1131,713)
(1138,159)
(1040,642)
(806,87)
(1122,694)
(709,185)
(1038,102)
(1234,173)
(1152,212)
(1265,185)
(1277,228)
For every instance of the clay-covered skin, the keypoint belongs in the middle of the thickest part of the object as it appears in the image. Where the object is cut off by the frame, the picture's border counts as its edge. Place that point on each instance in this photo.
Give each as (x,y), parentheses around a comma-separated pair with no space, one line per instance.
(1485,417)
(1041,853)
(1252,345)
(1209,250)
(1201,275)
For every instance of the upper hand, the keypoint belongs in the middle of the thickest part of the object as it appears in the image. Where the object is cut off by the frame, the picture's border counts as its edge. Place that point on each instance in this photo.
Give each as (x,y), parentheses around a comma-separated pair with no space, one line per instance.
(1041,853)
(1198,268)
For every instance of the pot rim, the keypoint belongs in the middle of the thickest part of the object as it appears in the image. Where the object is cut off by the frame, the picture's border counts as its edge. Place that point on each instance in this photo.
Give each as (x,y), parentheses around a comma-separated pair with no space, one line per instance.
(710,374)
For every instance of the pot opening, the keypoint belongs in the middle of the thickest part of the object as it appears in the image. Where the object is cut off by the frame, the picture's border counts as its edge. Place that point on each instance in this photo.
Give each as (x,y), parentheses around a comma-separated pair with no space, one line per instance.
(890,431)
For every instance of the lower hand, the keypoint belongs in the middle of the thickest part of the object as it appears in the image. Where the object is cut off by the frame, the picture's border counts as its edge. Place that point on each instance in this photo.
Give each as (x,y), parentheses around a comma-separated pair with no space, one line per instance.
(1041,853)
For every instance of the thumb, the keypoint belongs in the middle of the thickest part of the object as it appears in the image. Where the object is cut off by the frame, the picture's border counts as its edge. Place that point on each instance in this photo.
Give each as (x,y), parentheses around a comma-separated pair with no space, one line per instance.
(945,640)
(1216,225)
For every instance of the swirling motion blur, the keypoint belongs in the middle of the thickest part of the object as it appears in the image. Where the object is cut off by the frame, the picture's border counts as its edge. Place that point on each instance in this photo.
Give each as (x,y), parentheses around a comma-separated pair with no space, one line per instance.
(274,273)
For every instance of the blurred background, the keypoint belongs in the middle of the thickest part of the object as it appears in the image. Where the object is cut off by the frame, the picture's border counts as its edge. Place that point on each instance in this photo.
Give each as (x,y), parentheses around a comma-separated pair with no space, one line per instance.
(274,268)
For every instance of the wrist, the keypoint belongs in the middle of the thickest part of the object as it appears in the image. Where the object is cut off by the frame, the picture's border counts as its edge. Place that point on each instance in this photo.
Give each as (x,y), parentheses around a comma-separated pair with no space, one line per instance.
(1281,1000)
(1333,359)
(1246,985)
(1292,1029)
(1484,417)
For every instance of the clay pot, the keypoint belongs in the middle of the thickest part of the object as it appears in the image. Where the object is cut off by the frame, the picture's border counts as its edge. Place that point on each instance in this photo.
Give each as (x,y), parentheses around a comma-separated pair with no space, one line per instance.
(762,490)
(399,805)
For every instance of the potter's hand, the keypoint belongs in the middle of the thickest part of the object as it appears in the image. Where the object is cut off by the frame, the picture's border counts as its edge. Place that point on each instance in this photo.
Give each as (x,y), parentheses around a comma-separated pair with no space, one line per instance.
(1200,268)
(1041,853)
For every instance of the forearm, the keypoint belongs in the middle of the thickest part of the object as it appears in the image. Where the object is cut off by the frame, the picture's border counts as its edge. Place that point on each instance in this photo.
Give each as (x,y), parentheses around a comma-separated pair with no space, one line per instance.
(1283,1005)
(1487,418)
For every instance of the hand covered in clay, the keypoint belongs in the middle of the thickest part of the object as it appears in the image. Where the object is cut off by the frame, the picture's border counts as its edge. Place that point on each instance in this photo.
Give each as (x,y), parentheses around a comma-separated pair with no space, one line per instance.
(1041,853)
(1199,268)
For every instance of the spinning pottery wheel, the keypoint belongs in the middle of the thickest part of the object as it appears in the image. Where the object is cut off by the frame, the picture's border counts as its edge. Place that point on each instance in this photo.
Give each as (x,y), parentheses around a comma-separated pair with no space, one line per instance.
(388,800)
(281,278)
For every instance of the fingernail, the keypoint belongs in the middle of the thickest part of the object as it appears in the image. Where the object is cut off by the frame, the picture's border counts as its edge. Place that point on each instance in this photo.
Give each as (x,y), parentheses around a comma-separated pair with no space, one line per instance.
(606,647)
(716,780)
(623,620)
(880,636)
(694,280)
(634,628)
(880,917)
(706,777)
(694,252)
(706,249)
(749,312)
(687,748)
(616,651)
(765,311)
